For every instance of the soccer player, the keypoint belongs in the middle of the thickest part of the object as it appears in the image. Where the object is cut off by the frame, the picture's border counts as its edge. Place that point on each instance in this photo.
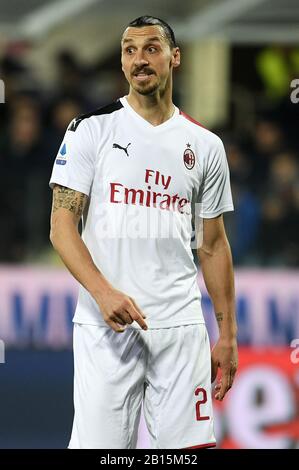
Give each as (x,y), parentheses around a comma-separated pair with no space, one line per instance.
(138,172)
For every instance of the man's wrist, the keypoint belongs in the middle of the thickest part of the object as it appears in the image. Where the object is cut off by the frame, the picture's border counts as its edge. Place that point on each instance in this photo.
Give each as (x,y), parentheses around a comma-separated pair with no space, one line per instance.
(228,337)
(227,325)
(228,331)
(100,287)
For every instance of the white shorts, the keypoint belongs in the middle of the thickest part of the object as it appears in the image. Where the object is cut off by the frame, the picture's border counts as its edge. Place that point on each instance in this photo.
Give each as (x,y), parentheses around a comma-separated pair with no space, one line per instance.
(167,369)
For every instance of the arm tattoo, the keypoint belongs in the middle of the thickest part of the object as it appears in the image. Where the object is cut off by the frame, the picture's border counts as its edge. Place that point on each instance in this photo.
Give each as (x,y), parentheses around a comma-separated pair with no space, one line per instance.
(219,317)
(69,199)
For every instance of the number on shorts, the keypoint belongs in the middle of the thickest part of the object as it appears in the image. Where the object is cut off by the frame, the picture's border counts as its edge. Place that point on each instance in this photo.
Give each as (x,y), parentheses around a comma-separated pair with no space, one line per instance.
(203,400)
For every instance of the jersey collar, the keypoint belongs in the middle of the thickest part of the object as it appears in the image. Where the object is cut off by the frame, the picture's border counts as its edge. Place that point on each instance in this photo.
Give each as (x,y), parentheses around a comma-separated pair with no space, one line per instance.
(144,122)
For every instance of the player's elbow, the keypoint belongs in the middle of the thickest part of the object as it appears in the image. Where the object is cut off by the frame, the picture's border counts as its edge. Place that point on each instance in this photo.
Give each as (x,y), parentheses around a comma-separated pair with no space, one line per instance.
(53,237)
(214,247)
(55,233)
(64,227)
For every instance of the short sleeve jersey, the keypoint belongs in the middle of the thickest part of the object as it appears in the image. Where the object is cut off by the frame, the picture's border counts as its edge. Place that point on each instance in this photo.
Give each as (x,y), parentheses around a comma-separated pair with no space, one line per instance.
(142,181)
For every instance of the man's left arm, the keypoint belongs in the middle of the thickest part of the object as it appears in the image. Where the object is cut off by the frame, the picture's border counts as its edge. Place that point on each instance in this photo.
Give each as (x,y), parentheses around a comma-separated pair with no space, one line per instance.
(217,268)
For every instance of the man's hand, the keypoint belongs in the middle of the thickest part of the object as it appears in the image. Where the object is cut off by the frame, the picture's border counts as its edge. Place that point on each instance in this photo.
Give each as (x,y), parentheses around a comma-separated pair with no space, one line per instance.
(225,356)
(120,310)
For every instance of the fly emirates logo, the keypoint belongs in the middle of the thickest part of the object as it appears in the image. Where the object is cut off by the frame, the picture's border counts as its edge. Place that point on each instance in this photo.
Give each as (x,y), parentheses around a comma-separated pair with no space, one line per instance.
(149,197)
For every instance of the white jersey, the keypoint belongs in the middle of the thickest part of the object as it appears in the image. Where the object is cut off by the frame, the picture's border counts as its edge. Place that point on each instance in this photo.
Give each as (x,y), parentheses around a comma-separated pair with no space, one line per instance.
(142,182)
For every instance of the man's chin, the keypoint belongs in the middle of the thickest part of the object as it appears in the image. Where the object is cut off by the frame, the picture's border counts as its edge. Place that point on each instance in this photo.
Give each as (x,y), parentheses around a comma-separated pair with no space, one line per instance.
(145,90)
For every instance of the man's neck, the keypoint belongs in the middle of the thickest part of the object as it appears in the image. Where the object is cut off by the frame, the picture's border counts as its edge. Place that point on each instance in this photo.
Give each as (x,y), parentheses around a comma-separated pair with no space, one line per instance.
(153,109)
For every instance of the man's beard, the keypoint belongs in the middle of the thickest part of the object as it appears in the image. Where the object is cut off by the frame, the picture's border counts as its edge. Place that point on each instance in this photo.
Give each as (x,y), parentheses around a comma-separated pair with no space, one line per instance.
(146,89)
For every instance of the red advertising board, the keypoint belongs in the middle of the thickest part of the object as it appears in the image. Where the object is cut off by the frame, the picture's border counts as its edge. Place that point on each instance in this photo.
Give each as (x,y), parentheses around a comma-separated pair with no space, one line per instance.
(262,408)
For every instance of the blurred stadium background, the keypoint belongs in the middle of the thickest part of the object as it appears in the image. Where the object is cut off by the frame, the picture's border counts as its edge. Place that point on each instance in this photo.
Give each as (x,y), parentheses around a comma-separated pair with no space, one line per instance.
(239,68)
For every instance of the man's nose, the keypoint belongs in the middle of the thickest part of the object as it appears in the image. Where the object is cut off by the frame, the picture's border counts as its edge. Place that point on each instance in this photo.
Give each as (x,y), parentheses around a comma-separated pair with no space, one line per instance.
(140,58)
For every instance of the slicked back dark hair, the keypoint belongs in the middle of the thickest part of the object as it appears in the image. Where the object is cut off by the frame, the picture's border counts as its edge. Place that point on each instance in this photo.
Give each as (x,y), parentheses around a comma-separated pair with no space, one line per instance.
(153,21)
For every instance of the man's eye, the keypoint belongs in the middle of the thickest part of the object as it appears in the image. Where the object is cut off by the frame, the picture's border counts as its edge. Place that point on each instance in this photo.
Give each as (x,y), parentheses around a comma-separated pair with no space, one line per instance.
(152,49)
(130,50)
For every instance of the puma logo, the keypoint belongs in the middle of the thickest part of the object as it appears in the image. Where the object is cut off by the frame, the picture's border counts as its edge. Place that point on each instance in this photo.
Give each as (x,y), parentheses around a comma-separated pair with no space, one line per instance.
(125,149)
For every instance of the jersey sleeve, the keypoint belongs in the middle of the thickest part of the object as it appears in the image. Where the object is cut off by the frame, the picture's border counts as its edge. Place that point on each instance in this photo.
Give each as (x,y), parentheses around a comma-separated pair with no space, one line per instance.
(74,163)
(215,192)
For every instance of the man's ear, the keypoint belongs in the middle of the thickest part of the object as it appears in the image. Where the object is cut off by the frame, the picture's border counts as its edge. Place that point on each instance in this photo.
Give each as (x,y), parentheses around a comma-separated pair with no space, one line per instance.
(176,57)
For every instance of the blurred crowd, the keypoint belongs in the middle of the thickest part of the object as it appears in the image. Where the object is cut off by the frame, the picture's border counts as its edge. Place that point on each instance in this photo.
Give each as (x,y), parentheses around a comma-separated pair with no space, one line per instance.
(263,160)
(264,168)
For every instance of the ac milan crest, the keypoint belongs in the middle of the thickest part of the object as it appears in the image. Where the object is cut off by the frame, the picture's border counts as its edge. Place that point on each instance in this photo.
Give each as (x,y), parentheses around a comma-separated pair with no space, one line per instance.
(189,158)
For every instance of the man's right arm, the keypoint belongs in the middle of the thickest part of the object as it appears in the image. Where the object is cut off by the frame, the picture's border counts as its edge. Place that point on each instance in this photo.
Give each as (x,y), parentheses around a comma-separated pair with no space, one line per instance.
(117,308)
